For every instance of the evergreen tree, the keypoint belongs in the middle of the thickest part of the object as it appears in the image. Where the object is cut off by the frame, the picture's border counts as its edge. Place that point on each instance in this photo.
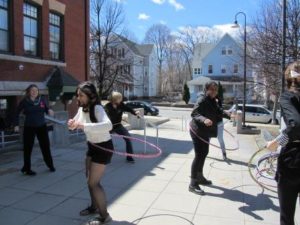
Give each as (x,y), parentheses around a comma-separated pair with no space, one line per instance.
(186,94)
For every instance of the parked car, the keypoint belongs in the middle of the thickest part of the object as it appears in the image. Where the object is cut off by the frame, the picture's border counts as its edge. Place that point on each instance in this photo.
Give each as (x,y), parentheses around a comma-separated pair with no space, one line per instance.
(149,109)
(256,113)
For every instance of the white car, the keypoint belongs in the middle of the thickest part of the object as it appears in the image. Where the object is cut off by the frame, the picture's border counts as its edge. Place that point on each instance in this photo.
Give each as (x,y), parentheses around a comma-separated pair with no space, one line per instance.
(256,113)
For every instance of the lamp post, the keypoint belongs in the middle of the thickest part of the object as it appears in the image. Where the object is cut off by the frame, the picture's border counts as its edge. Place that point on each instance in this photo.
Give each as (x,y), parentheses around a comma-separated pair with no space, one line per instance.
(284,9)
(236,25)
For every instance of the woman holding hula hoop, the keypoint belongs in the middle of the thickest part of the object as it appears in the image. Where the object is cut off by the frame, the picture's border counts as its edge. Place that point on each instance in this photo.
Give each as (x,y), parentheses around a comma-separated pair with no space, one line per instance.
(205,118)
(288,164)
(92,119)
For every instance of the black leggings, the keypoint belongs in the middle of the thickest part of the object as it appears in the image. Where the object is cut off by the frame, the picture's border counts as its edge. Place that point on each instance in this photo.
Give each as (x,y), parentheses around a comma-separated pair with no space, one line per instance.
(201,151)
(28,140)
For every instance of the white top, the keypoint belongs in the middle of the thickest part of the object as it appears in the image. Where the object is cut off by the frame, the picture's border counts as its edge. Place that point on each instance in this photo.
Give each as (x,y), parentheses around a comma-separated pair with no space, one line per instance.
(95,132)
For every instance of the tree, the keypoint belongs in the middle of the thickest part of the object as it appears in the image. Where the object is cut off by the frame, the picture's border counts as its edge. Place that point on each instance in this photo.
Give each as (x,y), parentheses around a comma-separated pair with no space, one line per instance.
(186,94)
(108,66)
(159,35)
(265,42)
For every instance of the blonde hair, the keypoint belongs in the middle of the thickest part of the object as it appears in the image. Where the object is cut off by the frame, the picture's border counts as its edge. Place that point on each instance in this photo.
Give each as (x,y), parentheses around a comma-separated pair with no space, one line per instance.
(292,81)
(115,96)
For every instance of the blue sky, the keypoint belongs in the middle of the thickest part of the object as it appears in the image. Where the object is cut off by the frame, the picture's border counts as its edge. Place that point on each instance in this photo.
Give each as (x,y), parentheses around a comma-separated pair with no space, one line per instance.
(141,14)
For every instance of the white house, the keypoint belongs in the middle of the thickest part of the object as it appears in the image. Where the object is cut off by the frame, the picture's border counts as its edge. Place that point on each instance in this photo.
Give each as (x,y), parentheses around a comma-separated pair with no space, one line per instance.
(221,62)
(141,66)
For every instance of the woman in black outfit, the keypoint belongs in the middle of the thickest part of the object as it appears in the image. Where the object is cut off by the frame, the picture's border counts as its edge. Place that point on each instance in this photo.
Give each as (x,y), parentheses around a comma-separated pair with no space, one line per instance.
(288,166)
(34,108)
(205,117)
(114,110)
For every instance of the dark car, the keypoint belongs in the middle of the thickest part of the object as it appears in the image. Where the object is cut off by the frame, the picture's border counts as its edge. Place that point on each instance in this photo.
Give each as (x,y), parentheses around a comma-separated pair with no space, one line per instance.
(149,109)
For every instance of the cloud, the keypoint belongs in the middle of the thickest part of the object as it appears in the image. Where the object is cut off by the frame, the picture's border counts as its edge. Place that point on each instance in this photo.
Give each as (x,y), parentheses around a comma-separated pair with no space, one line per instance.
(163,22)
(159,2)
(143,16)
(178,6)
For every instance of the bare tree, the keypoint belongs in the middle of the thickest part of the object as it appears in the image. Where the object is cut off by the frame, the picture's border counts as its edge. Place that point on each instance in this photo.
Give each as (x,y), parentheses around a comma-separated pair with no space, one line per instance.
(159,35)
(108,64)
(265,42)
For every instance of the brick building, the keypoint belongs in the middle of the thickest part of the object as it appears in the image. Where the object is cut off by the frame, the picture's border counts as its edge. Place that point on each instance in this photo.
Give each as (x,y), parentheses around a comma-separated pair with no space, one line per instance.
(45,42)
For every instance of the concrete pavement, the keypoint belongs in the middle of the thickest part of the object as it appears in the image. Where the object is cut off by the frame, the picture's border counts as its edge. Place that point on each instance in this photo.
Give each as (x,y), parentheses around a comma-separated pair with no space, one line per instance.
(149,192)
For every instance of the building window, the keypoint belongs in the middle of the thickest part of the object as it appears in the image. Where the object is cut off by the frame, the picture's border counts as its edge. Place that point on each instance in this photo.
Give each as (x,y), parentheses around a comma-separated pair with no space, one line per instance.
(223,69)
(197,70)
(210,69)
(229,51)
(4,32)
(123,53)
(224,51)
(31,34)
(235,68)
(55,31)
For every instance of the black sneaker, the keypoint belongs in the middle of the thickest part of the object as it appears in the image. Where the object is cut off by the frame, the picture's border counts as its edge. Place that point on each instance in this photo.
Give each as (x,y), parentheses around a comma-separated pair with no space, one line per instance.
(196,190)
(52,169)
(28,172)
(130,160)
(204,181)
(88,211)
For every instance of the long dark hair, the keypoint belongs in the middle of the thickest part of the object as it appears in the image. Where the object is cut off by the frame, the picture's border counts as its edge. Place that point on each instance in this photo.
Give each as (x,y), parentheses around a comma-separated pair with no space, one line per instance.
(210,84)
(89,89)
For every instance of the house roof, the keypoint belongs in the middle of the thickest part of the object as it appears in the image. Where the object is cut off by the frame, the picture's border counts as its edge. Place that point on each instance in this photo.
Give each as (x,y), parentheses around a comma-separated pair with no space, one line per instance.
(142,50)
(60,78)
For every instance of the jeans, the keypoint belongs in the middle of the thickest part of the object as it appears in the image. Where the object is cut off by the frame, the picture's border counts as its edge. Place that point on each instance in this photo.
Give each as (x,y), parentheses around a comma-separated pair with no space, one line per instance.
(123,131)
(221,136)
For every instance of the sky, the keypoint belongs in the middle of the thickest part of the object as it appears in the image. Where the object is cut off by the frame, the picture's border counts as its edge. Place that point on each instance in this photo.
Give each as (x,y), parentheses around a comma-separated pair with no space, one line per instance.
(141,14)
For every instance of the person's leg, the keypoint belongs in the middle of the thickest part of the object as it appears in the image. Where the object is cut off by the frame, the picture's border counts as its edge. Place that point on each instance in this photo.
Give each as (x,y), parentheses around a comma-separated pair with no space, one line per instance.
(28,142)
(123,131)
(95,174)
(221,138)
(93,207)
(204,152)
(43,138)
(196,164)
(287,194)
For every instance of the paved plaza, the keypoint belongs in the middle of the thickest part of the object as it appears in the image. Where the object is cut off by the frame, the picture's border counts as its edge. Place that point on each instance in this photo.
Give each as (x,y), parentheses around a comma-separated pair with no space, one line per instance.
(149,192)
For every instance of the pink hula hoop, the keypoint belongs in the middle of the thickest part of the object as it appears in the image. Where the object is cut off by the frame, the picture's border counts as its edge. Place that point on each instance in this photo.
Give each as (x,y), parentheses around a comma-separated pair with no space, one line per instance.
(142,156)
(216,146)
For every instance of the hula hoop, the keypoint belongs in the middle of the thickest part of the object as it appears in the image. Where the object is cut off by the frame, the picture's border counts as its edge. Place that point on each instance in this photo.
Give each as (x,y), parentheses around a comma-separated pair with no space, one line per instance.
(216,146)
(169,215)
(142,156)
(255,178)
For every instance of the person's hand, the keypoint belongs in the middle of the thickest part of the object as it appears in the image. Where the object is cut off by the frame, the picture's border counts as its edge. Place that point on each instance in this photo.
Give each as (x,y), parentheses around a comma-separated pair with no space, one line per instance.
(208,122)
(17,129)
(71,124)
(138,114)
(51,112)
(272,145)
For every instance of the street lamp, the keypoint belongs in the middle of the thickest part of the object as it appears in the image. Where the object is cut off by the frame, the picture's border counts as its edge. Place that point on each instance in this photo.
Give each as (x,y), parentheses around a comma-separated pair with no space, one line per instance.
(236,25)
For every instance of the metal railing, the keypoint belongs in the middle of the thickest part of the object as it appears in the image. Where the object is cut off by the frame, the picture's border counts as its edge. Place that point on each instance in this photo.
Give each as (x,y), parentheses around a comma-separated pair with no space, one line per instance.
(5,139)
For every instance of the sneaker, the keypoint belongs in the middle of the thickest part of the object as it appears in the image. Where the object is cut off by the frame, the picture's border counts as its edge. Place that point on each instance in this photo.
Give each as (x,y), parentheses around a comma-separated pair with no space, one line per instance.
(52,169)
(100,221)
(88,211)
(130,160)
(196,190)
(28,172)
(204,181)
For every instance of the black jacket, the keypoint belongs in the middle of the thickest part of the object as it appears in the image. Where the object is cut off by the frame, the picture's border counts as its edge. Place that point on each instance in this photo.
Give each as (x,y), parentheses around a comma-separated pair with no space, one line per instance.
(115,114)
(290,106)
(206,108)
(34,112)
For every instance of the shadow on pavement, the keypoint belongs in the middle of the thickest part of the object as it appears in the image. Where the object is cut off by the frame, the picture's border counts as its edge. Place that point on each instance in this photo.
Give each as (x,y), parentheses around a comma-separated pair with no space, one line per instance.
(253,203)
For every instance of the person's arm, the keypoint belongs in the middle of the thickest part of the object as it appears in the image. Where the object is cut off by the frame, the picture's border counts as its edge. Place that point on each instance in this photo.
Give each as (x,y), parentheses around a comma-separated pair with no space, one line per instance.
(126,108)
(102,126)
(48,111)
(197,112)
(281,140)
